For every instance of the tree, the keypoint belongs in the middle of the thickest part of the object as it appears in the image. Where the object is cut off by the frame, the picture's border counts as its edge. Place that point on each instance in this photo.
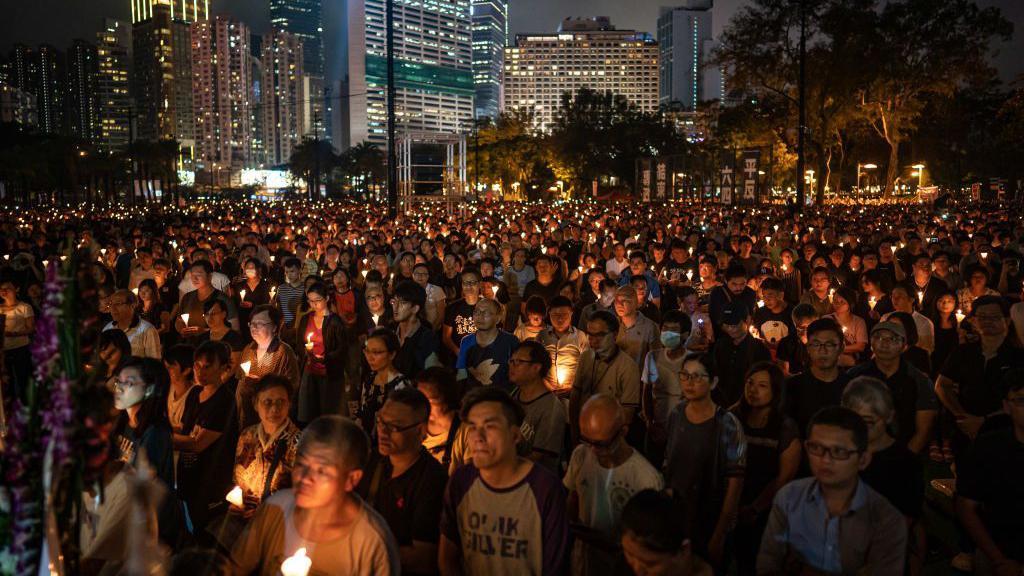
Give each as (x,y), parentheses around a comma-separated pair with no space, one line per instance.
(311,158)
(363,167)
(924,48)
(508,149)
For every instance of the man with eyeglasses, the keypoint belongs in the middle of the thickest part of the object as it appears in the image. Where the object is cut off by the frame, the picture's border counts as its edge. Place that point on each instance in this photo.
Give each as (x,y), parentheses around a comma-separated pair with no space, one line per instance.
(143,336)
(458,316)
(604,473)
(544,422)
(913,396)
(832,522)
(404,483)
(823,382)
(483,355)
(990,488)
(968,382)
(434,297)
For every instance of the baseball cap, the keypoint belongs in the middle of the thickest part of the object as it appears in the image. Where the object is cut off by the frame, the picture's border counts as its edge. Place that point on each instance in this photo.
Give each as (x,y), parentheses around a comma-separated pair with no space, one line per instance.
(892,326)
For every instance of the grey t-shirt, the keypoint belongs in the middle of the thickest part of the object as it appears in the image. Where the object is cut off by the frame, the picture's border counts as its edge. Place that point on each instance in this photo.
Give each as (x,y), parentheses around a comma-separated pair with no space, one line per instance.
(544,428)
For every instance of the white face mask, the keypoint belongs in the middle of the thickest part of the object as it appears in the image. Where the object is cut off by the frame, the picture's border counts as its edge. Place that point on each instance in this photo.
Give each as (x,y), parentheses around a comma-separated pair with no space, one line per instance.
(250,272)
(131,396)
(670,339)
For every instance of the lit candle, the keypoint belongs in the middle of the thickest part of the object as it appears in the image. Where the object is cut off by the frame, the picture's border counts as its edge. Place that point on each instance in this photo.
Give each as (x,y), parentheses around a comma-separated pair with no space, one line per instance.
(960,316)
(273,292)
(560,374)
(920,296)
(984,255)
(184,318)
(494,289)
(235,497)
(309,341)
(689,275)
(242,294)
(297,565)
(760,303)
(785,268)
(872,301)
(135,291)
(375,318)
(767,239)
(754,332)
(364,274)
(831,293)
(245,367)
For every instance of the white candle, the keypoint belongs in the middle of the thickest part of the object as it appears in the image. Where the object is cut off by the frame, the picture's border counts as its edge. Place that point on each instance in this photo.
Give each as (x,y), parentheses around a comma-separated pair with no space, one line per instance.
(242,294)
(364,274)
(245,367)
(560,374)
(375,318)
(831,293)
(297,565)
(184,318)
(920,296)
(960,316)
(309,341)
(689,275)
(872,301)
(494,290)
(235,497)
(760,303)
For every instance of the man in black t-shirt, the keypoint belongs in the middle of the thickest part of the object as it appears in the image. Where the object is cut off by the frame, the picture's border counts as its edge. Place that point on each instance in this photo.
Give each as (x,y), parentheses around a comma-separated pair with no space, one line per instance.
(458,316)
(791,353)
(773,316)
(822,384)
(990,488)
(404,483)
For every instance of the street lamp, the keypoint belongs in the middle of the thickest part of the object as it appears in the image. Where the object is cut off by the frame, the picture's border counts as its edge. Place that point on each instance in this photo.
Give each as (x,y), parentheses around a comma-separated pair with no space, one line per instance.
(920,173)
(860,169)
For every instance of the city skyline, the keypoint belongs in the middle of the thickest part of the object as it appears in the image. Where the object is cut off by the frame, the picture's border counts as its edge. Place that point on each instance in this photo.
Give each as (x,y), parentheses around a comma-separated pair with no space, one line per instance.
(36,25)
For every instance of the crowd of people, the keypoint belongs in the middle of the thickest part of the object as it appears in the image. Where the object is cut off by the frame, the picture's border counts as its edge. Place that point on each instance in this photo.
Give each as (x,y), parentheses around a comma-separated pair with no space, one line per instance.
(573,388)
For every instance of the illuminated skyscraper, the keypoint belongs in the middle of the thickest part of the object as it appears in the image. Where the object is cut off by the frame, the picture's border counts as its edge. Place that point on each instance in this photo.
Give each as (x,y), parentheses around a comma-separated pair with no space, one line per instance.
(222,87)
(303,19)
(184,10)
(490,35)
(282,95)
(162,78)
(584,53)
(433,69)
(113,96)
(684,37)
(83,72)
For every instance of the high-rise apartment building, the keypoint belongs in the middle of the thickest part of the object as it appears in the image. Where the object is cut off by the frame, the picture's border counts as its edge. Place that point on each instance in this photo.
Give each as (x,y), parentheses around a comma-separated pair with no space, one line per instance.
(490,36)
(302,19)
(684,38)
(113,98)
(434,87)
(49,83)
(162,78)
(584,53)
(282,95)
(83,107)
(222,90)
(184,10)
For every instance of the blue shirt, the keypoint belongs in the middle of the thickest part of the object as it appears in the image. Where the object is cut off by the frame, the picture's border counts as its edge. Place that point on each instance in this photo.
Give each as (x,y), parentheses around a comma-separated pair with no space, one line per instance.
(653,288)
(487,365)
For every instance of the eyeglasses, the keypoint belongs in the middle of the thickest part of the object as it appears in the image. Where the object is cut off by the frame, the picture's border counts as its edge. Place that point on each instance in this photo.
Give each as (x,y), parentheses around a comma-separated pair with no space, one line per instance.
(390,428)
(470,283)
(685,376)
(279,403)
(318,473)
(834,452)
(598,334)
(824,346)
(519,362)
(260,324)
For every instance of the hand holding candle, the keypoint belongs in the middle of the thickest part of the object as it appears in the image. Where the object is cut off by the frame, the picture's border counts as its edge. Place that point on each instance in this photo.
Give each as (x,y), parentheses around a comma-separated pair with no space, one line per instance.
(184,319)
(235,497)
(296,565)
(309,342)
(960,316)
(245,366)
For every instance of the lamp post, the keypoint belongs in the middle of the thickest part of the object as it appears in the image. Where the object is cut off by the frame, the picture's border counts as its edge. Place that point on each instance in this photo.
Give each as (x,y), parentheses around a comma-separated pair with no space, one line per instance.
(919,173)
(860,169)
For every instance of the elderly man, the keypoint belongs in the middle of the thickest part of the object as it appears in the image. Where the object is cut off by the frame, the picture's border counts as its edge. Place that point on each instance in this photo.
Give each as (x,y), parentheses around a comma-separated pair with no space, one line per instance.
(604,369)
(143,336)
(604,473)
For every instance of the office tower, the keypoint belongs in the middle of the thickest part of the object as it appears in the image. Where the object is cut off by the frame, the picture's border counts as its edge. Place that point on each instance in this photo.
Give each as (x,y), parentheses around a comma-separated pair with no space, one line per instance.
(584,53)
(684,38)
(17,106)
(222,94)
(113,98)
(40,72)
(433,69)
(257,153)
(20,68)
(83,107)
(282,95)
(183,10)
(302,19)
(162,78)
(490,36)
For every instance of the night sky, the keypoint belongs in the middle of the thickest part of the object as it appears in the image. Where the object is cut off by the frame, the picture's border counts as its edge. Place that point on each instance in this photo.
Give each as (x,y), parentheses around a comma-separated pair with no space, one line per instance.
(59,21)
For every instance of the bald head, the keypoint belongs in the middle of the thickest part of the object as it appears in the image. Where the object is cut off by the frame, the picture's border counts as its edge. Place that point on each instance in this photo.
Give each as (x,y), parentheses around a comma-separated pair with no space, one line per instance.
(601,418)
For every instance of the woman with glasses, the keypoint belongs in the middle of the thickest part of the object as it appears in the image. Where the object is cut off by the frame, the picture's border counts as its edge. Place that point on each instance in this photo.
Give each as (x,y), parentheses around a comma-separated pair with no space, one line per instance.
(266,354)
(321,517)
(705,458)
(266,451)
(381,378)
(773,456)
(322,356)
(376,313)
(894,471)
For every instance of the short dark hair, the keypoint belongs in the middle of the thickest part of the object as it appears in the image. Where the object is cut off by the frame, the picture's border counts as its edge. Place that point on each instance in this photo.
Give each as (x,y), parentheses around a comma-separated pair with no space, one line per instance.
(773,283)
(180,355)
(209,304)
(651,518)
(559,302)
(414,399)
(292,262)
(513,411)
(272,381)
(117,338)
(538,354)
(678,317)
(536,305)
(735,270)
(990,300)
(607,317)
(705,359)
(341,434)
(804,310)
(388,336)
(213,351)
(844,418)
(444,380)
(825,325)
(412,293)
(204,264)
